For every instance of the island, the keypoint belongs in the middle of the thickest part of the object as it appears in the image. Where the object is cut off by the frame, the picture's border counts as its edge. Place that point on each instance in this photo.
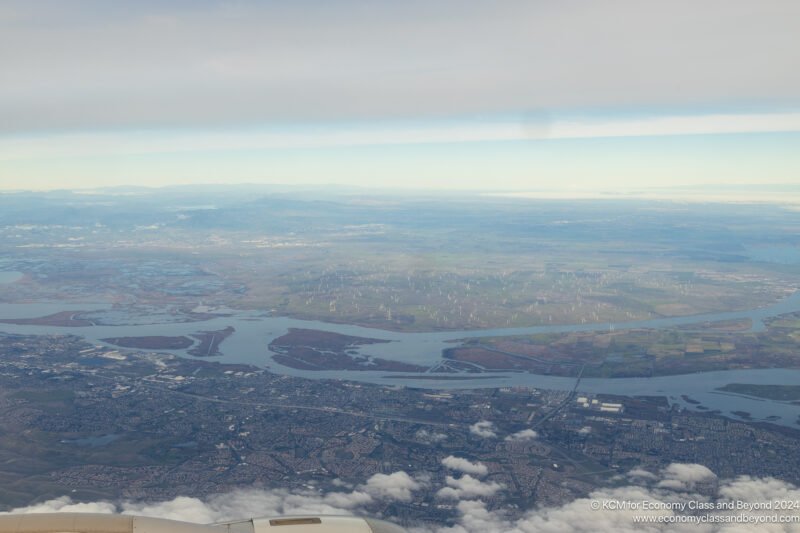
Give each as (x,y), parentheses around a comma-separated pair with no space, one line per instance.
(309,349)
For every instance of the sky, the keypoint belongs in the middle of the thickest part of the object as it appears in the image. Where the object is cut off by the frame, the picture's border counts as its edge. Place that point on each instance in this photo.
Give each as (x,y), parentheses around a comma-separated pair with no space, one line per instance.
(452,95)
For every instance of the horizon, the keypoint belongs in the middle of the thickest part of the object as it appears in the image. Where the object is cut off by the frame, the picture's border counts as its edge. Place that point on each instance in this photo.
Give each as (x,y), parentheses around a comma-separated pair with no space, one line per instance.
(787,195)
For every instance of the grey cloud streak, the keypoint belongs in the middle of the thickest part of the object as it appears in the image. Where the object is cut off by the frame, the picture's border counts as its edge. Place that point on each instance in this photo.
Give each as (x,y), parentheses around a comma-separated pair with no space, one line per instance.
(90,64)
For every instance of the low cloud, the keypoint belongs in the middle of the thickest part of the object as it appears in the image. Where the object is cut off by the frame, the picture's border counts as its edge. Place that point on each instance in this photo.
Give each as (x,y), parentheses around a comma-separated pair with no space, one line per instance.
(462,465)
(525,434)
(476,516)
(582,516)
(64,504)
(430,437)
(396,486)
(685,476)
(467,487)
(641,473)
(341,483)
(484,429)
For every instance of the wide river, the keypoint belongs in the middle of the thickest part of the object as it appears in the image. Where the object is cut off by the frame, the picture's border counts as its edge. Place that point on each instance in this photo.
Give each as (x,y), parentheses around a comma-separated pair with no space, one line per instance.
(255,330)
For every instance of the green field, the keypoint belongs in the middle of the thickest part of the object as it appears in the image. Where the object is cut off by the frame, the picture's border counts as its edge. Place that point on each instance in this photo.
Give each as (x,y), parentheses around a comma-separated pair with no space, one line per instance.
(423,265)
(642,352)
(786,393)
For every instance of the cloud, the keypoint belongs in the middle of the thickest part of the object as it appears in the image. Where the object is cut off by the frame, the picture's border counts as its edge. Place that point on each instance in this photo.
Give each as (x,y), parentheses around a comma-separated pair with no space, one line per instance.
(525,434)
(430,437)
(64,504)
(126,143)
(462,465)
(308,61)
(364,85)
(688,472)
(396,486)
(641,473)
(238,504)
(341,483)
(751,489)
(483,429)
(195,510)
(467,487)
(685,476)
(474,515)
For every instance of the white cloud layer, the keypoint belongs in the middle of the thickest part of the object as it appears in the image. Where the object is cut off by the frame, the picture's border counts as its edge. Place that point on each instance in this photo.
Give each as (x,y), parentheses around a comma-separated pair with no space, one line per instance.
(475,516)
(398,486)
(90,64)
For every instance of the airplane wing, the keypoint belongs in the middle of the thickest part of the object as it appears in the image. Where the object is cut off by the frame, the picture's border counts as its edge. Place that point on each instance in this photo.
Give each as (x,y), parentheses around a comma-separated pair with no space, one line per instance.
(107,523)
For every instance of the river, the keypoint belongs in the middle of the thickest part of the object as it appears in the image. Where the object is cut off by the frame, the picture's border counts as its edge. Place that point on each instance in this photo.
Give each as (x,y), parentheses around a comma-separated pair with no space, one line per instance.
(255,330)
